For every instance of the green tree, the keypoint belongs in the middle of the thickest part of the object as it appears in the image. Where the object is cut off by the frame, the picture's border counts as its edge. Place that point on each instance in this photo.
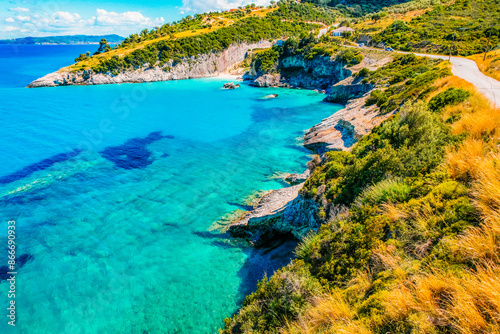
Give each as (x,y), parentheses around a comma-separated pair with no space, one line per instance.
(103,47)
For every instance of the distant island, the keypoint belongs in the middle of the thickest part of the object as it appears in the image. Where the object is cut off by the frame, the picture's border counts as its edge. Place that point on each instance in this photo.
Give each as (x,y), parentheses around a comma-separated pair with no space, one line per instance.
(68,39)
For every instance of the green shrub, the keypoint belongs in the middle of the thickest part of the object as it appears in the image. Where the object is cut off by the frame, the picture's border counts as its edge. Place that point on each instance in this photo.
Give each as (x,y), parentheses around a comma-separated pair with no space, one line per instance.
(448,97)
(349,56)
(267,60)
(364,72)
(390,190)
(376,97)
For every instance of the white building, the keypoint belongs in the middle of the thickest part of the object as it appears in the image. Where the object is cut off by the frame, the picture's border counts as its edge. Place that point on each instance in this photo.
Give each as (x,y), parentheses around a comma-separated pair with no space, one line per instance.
(340,30)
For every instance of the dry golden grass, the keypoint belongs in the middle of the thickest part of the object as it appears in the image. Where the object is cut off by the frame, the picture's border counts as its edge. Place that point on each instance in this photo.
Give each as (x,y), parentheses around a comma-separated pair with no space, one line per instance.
(389,19)
(468,303)
(491,65)
(330,313)
(477,161)
(462,161)
(399,303)
(474,306)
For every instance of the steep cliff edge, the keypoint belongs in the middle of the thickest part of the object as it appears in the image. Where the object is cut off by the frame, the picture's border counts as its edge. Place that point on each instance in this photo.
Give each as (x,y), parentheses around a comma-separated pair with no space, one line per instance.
(207,65)
(281,212)
(297,72)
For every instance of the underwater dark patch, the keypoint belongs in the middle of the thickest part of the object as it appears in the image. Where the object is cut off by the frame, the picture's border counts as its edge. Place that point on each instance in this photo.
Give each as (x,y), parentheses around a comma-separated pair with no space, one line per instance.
(23,259)
(3,273)
(241,206)
(133,154)
(20,262)
(41,165)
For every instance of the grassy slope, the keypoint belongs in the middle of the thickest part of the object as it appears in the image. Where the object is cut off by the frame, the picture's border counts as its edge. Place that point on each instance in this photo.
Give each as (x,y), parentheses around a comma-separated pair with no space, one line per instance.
(412,234)
(491,65)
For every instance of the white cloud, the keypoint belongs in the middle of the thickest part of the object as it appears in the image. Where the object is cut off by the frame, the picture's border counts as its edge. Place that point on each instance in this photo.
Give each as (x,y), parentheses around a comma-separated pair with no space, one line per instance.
(200,6)
(19,9)
(23,18)
(67,23)
(66,18)
(10,29)
(105,18)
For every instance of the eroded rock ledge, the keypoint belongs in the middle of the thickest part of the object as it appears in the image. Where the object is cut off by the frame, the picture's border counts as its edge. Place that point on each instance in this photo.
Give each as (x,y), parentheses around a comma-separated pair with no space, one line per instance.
(280,212)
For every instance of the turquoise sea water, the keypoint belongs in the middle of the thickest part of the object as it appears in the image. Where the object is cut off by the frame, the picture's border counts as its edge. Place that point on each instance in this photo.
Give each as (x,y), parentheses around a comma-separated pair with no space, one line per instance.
(115,189)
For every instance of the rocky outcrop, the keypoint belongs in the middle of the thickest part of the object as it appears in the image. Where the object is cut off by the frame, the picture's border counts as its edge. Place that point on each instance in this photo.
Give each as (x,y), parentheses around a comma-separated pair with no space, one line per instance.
(295,179)
(298,72)
(344,93)
(230,85)
(344,128)
(283,211)
(267,80)
(206,65)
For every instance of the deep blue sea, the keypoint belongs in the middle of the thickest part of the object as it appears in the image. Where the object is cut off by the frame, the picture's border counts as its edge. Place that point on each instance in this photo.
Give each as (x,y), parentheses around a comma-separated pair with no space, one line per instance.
(115,190)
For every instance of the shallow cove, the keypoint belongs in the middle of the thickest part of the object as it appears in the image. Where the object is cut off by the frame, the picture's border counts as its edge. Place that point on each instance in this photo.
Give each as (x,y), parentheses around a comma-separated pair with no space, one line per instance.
(115,187)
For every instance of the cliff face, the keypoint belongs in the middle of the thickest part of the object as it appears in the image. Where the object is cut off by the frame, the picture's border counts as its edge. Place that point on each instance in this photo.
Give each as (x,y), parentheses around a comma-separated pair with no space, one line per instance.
(206,65)
(297,72)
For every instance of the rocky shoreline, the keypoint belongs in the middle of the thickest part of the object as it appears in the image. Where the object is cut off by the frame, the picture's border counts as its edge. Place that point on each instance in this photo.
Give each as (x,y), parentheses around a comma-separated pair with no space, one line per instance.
(286,211)
(206,65)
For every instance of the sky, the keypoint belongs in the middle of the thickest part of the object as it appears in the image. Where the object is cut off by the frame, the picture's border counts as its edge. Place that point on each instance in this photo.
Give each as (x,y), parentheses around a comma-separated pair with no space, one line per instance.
(23,18)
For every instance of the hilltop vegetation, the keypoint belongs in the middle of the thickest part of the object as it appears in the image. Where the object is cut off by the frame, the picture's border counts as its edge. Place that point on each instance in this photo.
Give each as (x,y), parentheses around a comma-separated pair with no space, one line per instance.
(358,8)
(462,27)
(212,32)
(411,235)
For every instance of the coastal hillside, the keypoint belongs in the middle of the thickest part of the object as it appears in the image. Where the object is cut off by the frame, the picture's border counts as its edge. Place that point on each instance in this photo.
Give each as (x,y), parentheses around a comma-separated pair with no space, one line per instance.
(171,50)
(408,240)
(397,218)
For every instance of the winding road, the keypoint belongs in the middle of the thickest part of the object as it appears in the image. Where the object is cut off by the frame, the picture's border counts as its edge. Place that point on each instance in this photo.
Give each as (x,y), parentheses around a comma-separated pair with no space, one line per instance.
(467,69)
